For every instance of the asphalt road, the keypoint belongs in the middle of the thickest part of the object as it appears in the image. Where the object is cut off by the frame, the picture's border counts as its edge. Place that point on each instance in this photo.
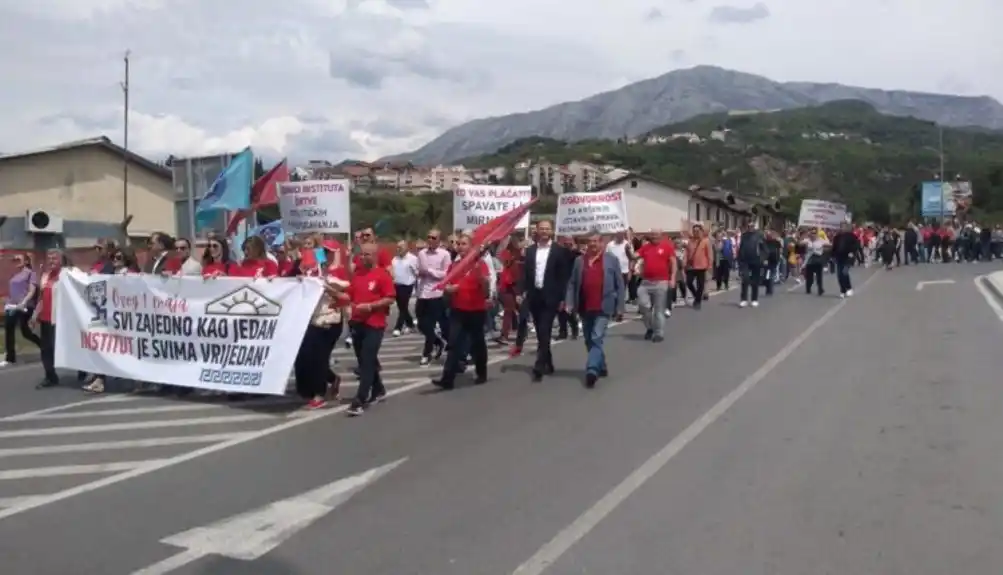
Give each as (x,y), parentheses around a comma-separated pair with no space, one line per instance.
(810,435)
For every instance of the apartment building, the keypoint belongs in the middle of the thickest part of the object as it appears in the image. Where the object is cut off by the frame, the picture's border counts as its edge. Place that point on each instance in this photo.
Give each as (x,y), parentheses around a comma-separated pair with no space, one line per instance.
(573,177)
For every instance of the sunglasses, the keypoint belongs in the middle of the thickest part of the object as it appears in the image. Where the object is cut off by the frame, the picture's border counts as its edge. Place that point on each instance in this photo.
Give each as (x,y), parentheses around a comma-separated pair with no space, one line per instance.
(433,237)
(118,259)
(215,246)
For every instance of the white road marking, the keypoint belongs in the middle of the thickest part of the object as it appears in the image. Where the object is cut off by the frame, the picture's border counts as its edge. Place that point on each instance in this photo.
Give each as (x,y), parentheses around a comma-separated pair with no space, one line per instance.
(921,285)
(56,471)
(123,444)
(61,407)
(77,429)
(14,501)
(132,411)
(587,521)
(43,500)
(249,536)
(989,296)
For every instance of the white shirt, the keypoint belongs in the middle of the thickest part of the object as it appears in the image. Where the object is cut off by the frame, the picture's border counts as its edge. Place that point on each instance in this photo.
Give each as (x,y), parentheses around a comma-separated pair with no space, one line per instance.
(492,274)
(542,254)
(405,269)
(619,249)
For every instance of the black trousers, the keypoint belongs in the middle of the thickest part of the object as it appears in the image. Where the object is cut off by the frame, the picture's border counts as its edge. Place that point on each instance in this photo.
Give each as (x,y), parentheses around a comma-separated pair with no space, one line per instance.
(722,274)
(564,320)
(751,275)
(431,312)
(543,318)
(696,282)
(13,321)
(466,335)
(313,361)
(813,276)
(403,296)
(47,333)
(368,341)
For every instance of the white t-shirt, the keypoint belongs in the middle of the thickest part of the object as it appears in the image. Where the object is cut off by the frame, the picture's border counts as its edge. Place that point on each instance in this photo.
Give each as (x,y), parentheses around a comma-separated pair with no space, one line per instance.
(619,249)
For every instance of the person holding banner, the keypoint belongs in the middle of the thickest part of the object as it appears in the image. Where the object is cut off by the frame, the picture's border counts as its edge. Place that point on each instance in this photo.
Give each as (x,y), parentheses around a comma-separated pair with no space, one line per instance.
(45,315)
(371,293)
(545,280)
(216,258)
(469,296)
(596,291)
(256,263)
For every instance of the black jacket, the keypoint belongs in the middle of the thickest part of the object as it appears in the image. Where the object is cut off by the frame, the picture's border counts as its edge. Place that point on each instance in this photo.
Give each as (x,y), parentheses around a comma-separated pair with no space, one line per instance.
(555,275)
(844,245)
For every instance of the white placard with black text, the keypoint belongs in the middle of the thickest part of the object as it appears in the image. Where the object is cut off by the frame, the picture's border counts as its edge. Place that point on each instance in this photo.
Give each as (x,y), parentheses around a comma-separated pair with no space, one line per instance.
(474,204)
(582,213)
(317,206)
(821,214)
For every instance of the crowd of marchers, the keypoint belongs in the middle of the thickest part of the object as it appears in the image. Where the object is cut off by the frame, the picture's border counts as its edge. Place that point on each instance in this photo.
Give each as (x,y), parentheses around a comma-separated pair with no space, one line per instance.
(531,284)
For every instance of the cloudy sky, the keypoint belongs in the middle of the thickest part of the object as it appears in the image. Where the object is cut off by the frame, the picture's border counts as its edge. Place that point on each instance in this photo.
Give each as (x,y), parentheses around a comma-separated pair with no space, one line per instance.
(330,79)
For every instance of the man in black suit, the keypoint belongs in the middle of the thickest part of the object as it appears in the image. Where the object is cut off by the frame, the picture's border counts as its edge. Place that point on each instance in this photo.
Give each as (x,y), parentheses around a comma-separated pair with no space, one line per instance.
(546,270)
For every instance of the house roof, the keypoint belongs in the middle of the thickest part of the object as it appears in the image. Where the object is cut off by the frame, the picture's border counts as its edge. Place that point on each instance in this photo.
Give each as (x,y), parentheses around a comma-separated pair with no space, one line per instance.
(99,142)
(719,196)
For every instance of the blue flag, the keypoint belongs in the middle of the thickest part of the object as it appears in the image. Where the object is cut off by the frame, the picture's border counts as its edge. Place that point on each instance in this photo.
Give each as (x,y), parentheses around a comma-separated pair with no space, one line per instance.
(231,190)
(271,232)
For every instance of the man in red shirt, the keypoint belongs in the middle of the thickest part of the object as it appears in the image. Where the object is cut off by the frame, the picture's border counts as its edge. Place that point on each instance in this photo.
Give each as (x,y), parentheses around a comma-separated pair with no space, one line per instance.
(658,271)
(469,295)
(371,293)
(384,259)
(596,291)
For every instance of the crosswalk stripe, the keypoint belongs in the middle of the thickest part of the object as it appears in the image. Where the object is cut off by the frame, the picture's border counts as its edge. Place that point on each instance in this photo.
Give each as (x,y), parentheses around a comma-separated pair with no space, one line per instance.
(133,411)
(111,445)
(21,500)
(60,470)
(61,407)
(46,431)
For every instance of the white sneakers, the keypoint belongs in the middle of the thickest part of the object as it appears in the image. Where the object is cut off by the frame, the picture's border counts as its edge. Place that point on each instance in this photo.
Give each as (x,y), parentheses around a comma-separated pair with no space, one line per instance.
(744,303)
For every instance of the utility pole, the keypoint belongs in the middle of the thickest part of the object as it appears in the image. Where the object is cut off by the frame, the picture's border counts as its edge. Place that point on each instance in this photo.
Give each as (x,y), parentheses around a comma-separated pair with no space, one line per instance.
(943,183)
(125,155)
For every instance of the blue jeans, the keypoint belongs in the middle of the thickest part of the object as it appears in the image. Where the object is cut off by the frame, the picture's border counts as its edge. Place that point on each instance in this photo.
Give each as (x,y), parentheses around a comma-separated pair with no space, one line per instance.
(594,329)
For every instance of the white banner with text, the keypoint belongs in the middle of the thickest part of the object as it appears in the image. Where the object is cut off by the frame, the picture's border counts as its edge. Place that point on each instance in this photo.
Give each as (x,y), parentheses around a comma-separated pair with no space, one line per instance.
(474,205)
(318,206)
(585,212)
(821,214)
(228,334)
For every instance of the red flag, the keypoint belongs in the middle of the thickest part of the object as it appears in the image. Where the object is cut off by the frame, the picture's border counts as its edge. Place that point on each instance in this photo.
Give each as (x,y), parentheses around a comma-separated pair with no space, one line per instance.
(487,233)
(264,193)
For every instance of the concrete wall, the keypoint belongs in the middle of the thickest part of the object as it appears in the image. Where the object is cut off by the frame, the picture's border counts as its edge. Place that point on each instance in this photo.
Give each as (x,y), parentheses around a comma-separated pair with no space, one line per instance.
(84,187)
(652,206)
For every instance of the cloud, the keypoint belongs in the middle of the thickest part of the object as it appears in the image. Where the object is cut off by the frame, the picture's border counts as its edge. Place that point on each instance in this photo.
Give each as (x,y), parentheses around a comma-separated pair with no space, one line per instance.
(654,15)
(329,79)
(737,15)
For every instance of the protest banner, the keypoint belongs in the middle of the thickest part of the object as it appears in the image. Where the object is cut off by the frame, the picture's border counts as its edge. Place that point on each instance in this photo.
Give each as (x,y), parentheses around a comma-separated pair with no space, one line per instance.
(317,206)
(474,205)
(821,214)
(581,213)
(232,335)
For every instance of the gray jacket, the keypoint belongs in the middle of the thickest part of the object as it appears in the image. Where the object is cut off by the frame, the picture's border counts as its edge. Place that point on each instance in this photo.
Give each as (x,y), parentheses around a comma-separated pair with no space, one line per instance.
(612,286)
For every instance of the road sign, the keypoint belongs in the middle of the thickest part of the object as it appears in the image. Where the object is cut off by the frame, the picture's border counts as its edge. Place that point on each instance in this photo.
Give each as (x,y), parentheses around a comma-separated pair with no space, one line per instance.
(250,535)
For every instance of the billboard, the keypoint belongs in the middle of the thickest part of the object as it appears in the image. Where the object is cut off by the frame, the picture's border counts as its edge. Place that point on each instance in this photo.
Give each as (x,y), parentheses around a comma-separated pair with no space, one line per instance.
(192,178)
(945,198)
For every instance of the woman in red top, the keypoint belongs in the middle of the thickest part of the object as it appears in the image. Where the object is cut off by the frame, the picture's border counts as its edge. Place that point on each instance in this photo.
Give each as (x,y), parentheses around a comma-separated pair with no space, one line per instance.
(45,315)
(216,258)
(256,263)
(467,318)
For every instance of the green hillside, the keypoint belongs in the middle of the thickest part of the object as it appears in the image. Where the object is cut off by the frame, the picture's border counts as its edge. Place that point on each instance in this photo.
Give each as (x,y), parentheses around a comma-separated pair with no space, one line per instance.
(843,150)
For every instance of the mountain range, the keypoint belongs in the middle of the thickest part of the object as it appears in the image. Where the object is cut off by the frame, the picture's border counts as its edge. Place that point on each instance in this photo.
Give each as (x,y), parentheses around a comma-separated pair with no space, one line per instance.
(641,107)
